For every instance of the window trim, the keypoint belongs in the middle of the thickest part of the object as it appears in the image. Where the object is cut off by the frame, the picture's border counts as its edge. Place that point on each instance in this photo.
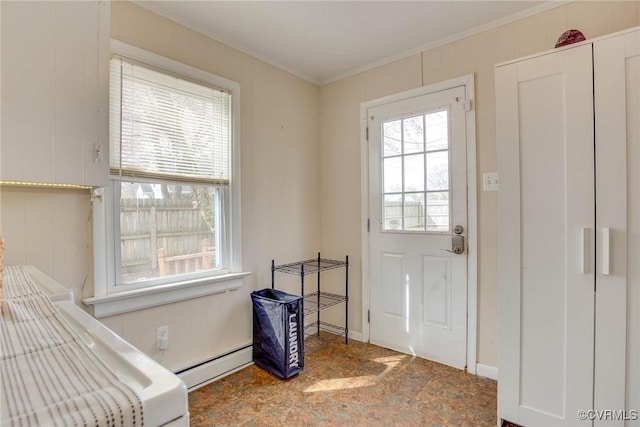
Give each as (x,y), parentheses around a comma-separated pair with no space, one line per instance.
(109,299)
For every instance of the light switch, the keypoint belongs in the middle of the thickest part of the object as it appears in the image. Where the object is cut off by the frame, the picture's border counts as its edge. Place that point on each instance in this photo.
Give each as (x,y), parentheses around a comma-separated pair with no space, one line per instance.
(490,181)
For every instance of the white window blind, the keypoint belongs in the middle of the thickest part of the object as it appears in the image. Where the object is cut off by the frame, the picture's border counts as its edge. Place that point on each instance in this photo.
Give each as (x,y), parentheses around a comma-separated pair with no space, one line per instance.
(166,127)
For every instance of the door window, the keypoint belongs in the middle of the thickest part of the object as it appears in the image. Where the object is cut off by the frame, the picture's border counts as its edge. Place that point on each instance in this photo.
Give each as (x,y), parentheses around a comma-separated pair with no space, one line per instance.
(415,173)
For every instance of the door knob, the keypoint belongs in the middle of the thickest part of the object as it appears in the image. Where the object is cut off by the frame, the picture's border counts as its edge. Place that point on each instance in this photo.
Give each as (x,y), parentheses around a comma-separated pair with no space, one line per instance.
(456,251)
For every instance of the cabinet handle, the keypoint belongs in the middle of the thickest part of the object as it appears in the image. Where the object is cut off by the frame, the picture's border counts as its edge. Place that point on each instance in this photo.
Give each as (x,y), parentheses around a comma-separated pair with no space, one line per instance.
(606,251)
(585,250)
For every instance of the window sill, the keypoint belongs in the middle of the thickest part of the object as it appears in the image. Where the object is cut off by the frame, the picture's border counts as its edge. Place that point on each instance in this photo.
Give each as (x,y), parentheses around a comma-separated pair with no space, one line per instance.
(123,302)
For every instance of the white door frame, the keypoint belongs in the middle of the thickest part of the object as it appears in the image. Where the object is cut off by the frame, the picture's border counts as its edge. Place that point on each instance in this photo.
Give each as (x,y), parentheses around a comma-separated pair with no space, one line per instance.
(472,205)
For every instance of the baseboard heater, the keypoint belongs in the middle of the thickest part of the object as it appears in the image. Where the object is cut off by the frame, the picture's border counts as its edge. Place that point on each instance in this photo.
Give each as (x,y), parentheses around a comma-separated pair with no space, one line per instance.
(217,367)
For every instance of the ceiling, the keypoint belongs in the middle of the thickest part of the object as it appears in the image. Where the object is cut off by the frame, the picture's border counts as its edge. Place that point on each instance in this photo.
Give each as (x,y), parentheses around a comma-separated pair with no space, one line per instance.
(322,41)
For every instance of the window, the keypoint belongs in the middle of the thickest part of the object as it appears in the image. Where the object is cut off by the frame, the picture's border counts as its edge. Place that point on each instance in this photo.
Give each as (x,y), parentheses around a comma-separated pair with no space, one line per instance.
(171,213)
(415,167)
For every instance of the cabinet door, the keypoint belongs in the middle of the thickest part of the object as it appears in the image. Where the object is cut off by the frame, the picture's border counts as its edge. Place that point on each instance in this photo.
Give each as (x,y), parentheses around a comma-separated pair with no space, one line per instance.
(617,107)
(546,221)
(54,91)
(28,84)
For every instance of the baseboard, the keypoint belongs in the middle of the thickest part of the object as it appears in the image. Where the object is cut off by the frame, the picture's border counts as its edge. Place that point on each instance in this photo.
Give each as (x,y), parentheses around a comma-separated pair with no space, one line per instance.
(355,335)
(487,371)
(216,368)
(208,371)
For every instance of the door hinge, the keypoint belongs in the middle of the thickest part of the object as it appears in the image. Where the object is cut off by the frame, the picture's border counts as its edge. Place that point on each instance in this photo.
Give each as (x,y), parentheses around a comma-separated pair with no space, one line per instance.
(368,225)
(367,133)
(368,316)
(467,105)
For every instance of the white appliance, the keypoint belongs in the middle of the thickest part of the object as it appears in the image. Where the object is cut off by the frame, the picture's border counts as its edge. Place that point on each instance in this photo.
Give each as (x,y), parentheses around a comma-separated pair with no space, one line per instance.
(54,290)
(39,319)
(163,394)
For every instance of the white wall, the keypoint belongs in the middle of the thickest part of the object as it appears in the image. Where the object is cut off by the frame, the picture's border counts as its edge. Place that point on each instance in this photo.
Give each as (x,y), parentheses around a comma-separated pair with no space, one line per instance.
(280,207)
(340,138)
(289,156)
(50,229)
(280,177)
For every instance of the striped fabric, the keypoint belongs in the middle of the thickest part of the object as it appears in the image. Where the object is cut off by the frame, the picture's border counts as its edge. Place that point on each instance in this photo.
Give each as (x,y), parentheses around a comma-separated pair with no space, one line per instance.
(48,376)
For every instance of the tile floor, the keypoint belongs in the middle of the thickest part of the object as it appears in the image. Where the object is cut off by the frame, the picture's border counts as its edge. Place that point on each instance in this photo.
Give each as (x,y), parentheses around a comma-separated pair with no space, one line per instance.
(349,385)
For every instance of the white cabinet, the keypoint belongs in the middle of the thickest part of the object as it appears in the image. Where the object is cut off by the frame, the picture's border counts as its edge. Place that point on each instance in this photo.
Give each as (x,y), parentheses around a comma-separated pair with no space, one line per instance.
(569,168)
(617,124)
(54,72)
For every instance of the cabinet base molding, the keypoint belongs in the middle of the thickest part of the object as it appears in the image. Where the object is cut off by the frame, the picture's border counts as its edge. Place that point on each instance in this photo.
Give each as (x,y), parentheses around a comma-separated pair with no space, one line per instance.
(487,371)
(355,335)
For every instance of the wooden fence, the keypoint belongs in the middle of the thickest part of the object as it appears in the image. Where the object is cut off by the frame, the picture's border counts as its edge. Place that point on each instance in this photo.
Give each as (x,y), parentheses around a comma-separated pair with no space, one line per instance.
(415,216)
(167,227)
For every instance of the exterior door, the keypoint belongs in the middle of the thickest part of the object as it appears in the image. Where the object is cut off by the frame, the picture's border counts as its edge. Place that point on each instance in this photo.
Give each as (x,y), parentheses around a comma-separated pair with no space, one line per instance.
(417,197)
(546,237)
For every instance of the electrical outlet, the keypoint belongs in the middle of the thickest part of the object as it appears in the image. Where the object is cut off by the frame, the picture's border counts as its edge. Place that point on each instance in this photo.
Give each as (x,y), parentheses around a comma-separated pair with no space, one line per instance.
(162,337)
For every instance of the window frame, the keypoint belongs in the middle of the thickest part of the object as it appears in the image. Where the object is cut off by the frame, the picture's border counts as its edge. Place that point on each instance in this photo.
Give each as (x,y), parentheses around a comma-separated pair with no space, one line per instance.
(112,298)
(223,239)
